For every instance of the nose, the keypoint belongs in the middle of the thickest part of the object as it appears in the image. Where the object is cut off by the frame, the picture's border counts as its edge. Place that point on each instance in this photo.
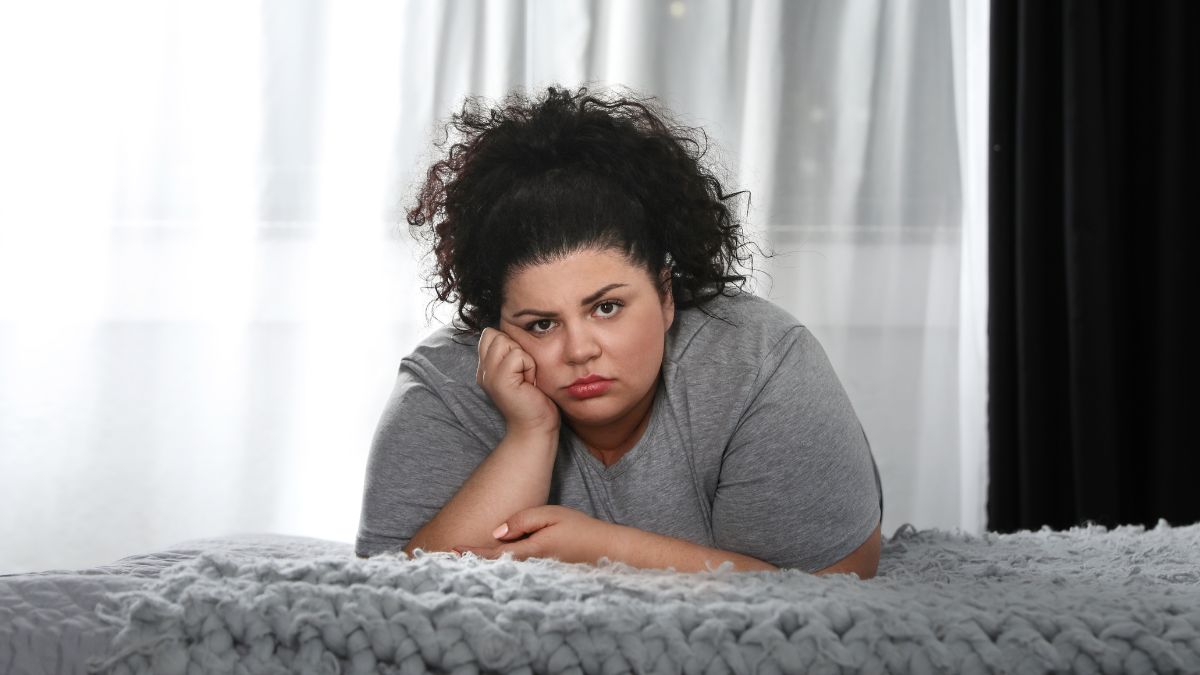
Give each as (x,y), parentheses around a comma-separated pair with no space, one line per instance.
(581,345)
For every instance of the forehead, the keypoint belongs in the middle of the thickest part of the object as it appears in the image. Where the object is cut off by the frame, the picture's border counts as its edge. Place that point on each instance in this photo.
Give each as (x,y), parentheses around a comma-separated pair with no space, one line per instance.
(579,273)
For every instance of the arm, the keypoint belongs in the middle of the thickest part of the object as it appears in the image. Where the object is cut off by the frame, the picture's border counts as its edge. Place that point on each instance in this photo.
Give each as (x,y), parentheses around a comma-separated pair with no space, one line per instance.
(638,548)
(437,468)
(570,536)
(430,472)
(515,476)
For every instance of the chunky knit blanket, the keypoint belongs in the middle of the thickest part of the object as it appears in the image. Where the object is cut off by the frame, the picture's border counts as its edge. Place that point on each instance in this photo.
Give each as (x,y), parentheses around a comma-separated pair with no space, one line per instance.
(1085,600)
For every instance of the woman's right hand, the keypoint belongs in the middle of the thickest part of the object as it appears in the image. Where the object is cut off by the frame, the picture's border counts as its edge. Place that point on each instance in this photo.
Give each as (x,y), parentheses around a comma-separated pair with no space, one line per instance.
(509,375)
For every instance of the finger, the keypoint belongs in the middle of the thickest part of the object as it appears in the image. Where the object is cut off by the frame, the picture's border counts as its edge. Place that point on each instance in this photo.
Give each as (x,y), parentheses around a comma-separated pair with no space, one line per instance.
(498,347)
(529,368)
(494,553)
(484,341)
(528,521)
(520,550)
(519,362)
(490,354)
(479,349)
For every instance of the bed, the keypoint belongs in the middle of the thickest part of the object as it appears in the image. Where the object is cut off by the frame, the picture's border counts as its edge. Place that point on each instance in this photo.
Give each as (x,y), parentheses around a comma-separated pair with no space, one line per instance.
(1088,600)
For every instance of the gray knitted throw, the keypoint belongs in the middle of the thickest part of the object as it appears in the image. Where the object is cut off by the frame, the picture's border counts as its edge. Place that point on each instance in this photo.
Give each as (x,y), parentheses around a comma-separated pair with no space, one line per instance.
(1085,600)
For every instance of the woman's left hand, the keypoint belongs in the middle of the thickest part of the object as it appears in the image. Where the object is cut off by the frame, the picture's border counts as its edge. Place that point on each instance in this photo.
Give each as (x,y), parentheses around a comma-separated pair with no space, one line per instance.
(552,532)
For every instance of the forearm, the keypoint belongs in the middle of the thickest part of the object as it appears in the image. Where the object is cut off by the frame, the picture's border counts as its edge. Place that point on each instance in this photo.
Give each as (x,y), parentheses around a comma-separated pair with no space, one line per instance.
(639,548)
(514,476)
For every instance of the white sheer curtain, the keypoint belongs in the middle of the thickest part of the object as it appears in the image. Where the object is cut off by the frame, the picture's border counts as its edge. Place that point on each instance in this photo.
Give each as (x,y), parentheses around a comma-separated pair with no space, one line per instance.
(205,287)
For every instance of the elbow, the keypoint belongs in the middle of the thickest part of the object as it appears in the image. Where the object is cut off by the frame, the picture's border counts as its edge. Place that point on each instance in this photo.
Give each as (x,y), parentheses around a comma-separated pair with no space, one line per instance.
(425,545)
(367,548)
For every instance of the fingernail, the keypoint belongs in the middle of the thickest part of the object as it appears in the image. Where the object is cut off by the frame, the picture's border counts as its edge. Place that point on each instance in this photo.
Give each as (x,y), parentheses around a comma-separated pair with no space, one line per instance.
(501,531)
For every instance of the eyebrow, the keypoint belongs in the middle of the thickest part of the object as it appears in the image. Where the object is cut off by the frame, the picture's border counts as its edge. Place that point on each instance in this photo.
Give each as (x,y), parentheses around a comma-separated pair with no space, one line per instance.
(586,301)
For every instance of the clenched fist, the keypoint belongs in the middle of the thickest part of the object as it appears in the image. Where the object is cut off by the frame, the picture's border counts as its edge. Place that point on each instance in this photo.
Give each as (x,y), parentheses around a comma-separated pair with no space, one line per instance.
(508,375)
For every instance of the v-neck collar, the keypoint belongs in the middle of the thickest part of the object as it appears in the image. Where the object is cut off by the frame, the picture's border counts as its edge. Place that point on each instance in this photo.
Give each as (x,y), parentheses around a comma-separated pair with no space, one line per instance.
(617,468)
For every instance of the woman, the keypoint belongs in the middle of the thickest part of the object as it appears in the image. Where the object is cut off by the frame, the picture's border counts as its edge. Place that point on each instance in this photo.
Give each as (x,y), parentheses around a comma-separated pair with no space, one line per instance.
(611,392)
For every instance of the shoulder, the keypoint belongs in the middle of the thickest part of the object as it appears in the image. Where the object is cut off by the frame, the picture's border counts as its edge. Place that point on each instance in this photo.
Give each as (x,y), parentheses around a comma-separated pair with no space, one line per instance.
(443,358)
(437,381)
(740,328)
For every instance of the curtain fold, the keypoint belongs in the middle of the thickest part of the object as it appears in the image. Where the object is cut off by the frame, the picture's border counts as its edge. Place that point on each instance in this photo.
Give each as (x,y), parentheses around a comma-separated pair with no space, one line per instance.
(1090,121)
(969,31)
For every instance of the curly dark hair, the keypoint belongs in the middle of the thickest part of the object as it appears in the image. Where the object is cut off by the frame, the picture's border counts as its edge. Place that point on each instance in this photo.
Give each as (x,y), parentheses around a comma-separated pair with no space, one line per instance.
(535,179)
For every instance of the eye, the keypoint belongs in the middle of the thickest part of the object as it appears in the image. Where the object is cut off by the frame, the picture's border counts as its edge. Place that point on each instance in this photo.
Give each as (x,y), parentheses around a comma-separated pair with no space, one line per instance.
(612,307)
(532,327)
(604,310)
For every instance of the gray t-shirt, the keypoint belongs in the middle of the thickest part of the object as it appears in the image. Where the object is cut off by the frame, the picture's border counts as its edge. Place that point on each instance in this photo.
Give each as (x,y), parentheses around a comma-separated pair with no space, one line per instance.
(752,444)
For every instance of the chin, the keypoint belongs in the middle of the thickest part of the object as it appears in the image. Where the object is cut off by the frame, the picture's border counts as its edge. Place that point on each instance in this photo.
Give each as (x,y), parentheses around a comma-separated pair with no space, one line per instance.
(590,412)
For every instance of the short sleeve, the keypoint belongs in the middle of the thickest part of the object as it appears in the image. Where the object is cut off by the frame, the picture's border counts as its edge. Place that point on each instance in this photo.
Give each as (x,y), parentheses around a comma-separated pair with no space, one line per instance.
(420,456)
(798,485)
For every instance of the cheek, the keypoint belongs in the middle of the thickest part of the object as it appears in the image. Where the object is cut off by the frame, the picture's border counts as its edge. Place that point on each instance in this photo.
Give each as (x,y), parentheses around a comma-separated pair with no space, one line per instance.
(645,350)
(542,362)
(653,355)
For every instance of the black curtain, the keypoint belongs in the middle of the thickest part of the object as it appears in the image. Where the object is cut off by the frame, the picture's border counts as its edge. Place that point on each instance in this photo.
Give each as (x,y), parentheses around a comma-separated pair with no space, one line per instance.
(1092,212)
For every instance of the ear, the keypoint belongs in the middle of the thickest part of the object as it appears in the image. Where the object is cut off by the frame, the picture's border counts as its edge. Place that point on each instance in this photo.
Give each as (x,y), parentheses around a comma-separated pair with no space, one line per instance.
(668,300)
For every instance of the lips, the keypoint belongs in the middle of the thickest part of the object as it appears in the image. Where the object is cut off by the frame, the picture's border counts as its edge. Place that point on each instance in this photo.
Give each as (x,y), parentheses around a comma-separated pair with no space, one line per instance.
(589,387)
(588,380)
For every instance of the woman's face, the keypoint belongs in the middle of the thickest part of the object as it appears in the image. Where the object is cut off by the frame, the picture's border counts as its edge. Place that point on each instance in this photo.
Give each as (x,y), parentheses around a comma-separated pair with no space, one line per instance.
(590,313)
